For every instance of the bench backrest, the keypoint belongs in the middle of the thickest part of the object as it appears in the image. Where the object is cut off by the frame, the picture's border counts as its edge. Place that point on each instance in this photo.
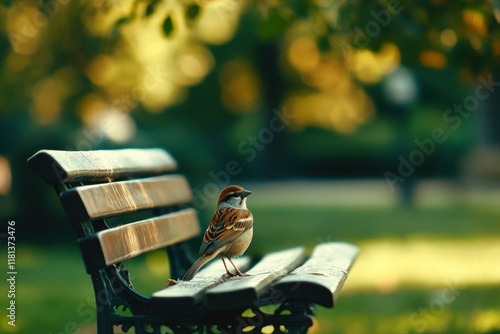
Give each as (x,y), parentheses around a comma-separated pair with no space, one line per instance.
(96,185)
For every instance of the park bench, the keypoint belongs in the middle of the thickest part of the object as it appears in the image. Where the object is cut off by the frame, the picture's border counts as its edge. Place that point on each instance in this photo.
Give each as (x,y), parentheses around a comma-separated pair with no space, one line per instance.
(97,188)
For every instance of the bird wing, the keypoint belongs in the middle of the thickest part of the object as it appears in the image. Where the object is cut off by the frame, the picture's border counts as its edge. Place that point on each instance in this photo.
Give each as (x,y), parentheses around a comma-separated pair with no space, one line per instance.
(226,225)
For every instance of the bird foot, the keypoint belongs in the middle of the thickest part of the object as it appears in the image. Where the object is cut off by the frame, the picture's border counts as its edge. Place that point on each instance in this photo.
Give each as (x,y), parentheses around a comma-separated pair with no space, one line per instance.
(170,283)
(238,273)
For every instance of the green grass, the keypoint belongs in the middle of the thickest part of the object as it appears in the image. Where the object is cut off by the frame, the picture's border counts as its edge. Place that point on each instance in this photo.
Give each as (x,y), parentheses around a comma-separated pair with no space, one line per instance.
(54,294)
(286,225)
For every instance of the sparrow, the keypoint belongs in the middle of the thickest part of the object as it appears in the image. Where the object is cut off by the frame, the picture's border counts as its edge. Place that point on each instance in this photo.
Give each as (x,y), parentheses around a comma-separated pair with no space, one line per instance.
(229,233)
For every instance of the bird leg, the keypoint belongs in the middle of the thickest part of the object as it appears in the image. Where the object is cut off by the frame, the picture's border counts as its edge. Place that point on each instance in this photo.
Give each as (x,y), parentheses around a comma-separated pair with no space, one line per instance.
(230,274)
(238,272)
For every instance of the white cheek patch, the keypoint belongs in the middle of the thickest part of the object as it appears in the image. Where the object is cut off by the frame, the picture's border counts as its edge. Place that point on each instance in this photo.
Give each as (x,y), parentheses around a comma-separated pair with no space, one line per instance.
(234,202)
(243,203)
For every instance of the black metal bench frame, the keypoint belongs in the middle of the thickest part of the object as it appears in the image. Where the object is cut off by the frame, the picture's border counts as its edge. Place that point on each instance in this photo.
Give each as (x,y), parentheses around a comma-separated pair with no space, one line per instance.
(96,185)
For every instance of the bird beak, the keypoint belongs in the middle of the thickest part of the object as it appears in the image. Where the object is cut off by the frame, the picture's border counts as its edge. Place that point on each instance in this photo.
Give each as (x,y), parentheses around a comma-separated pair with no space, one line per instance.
(245,193)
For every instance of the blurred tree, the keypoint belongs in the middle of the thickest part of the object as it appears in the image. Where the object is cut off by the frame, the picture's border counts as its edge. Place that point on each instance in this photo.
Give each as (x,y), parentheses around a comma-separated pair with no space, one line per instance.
(204,78)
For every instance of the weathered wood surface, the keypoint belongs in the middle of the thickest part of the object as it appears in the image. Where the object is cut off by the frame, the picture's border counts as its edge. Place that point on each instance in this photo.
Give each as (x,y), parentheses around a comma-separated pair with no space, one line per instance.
(101,165)
(128,241)
(241,292)
(110,199)
(186,295)
(220,293)
(317,281)
(321,278)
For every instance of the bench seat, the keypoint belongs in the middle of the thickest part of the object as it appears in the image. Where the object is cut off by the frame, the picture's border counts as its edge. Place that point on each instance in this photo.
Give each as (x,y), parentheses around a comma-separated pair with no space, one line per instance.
(280,276)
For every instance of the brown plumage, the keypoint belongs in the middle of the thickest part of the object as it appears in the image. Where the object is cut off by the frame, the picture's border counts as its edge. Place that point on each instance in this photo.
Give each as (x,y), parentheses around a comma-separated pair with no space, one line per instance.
(229,233)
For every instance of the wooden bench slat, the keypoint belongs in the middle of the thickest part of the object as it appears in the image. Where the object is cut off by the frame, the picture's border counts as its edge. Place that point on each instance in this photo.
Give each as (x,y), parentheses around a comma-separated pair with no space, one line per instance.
(128,241)
(186,295)
(110,199)
(62,166)
(241,292)
(322,276)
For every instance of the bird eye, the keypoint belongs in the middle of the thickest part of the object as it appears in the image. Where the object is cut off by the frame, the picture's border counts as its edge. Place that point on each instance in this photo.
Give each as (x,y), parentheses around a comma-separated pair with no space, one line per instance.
(231,195)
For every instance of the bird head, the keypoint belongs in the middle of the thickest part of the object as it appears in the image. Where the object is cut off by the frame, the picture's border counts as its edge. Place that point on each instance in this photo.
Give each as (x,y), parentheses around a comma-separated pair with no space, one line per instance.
(234,197)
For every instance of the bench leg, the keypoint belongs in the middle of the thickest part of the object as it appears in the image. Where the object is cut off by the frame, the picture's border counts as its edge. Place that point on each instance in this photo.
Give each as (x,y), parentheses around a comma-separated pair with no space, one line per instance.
(104,325)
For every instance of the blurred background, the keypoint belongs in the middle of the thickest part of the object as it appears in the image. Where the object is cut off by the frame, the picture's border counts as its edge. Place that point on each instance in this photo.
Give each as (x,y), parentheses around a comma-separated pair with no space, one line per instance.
(368,122)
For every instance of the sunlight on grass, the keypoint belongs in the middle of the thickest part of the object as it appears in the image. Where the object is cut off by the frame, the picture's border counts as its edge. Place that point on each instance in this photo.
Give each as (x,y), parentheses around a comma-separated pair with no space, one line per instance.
(158,263)
(486,320)
(420,270)
(412,310)
(386,265)
(6,328)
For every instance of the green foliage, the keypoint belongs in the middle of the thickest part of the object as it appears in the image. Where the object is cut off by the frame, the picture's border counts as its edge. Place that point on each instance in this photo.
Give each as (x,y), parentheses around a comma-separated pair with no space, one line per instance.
(168,26)
(273,26)
(150,8)
(192,12)
(200,131)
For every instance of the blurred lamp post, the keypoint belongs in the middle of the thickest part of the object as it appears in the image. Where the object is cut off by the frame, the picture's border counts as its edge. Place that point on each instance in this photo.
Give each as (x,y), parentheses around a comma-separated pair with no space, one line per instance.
(401,91)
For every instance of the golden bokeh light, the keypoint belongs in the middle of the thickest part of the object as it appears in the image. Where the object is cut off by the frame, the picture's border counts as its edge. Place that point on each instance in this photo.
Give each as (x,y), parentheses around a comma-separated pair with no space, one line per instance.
(448,38)
(218,21)
(90,106)
(303,54)
(118,74)
(193,64)
(99,18)
(325,75)
(496,48)
(100,69)
(366,66)
(116,125)
(24,25)
(341,113)
(49,93)
(475,21)
(154,70)
(5,176)
(15,64)
(165,93)
(371,67)
(106,119)
(240,86)
(432,59)
(476,42)
(389,57)
(338,104)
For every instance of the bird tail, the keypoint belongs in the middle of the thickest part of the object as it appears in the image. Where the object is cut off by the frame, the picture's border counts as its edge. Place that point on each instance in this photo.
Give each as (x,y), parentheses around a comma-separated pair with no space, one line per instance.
(197,266)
